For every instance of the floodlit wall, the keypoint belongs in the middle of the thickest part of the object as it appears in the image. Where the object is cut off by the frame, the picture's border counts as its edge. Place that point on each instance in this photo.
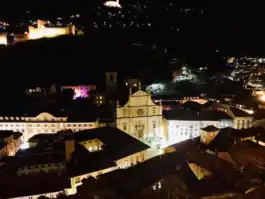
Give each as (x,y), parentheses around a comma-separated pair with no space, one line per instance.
(41,31)
(3,39)
(37,33)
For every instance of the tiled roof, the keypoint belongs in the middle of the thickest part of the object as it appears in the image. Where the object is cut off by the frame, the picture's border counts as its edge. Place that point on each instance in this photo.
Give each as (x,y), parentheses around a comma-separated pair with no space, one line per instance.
(18,187)
(239,113)
(223,142)
(116,141)
(210,128)
(117,145)
(5,134)
(196,116)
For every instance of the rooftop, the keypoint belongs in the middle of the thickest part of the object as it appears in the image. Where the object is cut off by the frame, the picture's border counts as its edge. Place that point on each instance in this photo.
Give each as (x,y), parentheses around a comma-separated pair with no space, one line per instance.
(239,113)
(117,145)
(210,128)
(5,134)
(207,115)
(46,183)
(115,140)
(223,142)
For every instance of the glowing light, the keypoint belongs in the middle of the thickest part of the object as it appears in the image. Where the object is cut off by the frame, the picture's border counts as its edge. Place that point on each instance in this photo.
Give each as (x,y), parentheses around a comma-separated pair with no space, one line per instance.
(49,32)
(81,92)
(262,98)
(3,40)
(25,145)
(230,60)
(46,32)
(250,112)
(259,93)
(113,4)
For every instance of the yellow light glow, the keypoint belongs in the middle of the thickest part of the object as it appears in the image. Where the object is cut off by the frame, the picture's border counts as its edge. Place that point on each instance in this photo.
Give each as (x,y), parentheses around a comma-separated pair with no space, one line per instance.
(46,32)
(262,98)
(3,40)
(259,93)
(41,31)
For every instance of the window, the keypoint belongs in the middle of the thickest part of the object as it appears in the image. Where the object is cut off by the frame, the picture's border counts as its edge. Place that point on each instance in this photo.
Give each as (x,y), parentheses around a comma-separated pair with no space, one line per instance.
(154,124)
(243,123)
(111,77)
(238,124)
(248,123)
(154,110)
(124,127)
(77,180)
(124,112)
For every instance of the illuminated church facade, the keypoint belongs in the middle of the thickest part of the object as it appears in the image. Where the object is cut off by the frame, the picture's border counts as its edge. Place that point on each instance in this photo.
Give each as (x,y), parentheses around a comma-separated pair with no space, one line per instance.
(142,118)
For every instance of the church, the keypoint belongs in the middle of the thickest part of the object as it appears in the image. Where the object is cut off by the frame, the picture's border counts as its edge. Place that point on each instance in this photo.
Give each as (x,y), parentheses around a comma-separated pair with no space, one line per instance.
(142,118)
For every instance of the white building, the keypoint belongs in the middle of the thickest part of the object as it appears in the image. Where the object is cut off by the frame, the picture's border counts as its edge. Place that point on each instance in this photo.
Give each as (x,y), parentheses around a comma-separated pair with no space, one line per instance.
(141,118)
(43,123)
(242,117)
(183,125)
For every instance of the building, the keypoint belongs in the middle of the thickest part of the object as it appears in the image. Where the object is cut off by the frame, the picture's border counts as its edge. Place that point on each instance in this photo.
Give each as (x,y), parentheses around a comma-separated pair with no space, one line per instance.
(99,99)
(10,143)
(208,134)
(48,185)
(3,39)
(111,80)
(183,125)
(141,118)
(241,118)
(86,153)
(44,123)
(42,31)
(132,83)
(32,164)
(34,91)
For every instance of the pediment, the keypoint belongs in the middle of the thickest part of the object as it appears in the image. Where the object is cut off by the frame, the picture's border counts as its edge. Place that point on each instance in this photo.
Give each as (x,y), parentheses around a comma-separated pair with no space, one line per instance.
(140,98)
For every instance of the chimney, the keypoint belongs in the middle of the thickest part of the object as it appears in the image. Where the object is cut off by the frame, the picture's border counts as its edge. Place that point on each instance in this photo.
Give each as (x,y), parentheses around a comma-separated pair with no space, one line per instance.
(69,149)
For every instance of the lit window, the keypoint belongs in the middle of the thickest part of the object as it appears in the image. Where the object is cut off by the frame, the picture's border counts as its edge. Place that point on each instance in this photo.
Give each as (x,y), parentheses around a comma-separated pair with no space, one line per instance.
(90,149)
(154,124)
